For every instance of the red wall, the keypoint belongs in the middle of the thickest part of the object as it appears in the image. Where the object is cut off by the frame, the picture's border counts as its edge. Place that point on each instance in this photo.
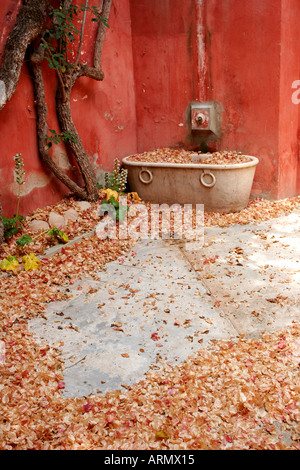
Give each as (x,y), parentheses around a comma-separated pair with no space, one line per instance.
(103,112)
(253,51)
(163,37)
(158,57)
(288,168)
(243,55)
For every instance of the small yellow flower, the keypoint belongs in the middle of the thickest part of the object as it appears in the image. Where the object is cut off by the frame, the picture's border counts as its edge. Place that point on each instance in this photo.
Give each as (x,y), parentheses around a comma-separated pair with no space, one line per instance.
(110,193)
(133,196)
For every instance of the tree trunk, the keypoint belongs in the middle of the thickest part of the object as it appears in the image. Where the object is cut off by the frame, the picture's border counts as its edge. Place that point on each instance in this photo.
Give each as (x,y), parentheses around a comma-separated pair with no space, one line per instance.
(42,128)
(63,109)
(63,106)
(66,82)
(29,24)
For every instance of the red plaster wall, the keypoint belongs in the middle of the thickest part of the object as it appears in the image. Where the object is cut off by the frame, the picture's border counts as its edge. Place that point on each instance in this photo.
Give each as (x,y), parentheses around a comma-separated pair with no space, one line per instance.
(158,57)
(245,73)
(165,69)
(243,55)
(103,112)
(298,166)
(288,178)
(253,56)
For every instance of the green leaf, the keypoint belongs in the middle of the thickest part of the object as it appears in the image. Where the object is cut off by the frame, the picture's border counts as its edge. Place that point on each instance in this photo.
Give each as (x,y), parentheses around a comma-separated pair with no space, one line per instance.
(63,237)
(68,136)
(113,202)
(24,240)
(12,225)
(58,234)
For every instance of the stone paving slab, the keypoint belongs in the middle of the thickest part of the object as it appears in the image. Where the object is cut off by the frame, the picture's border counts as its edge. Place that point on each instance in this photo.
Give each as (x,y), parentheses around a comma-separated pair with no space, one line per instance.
(256,278)
(144,308)
(163,302)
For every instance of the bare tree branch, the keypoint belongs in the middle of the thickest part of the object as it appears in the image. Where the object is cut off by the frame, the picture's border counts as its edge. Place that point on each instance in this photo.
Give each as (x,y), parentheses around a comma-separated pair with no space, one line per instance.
(101,34)
(29,24)
(96,72)
(81,33)
(64,114)
(42,128)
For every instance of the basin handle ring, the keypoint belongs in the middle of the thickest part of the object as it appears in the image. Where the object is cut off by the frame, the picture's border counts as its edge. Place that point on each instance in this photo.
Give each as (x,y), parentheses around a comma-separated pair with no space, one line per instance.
(150,176)
(213,179)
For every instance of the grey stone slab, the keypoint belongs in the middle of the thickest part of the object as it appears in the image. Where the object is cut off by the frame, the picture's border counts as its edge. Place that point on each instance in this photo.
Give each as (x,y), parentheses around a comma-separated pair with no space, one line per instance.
(162,302)
(147,307)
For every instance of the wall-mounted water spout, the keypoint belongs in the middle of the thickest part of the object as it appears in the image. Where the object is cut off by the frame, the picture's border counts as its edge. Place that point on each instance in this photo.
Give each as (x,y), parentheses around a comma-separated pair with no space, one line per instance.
(205,118)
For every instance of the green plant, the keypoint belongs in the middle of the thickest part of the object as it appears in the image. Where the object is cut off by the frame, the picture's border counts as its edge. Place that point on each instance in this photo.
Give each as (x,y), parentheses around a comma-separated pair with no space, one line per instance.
(13,224)
(56,138)
(20,176)
(117,179)
(59,235)
(57,38)
(115,182)
(52,31)
(24,240)
(54,232)
(118,209)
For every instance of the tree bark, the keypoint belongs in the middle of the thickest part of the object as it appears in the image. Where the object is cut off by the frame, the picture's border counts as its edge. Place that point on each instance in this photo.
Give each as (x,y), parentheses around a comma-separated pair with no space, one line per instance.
(29,24)
(42,128)
(63,109)
(63,106)
(64,114)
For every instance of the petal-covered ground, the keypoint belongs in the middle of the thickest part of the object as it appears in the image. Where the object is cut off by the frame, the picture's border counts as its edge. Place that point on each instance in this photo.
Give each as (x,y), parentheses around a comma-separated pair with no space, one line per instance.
(241,394)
